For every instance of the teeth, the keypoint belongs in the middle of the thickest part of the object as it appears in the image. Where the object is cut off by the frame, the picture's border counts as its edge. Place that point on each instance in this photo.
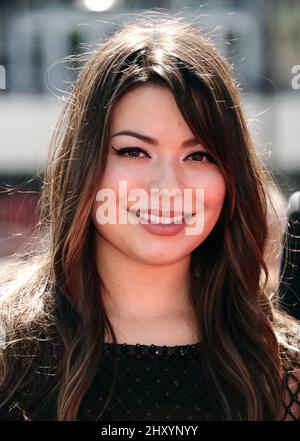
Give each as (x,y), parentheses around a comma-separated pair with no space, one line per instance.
(160,220)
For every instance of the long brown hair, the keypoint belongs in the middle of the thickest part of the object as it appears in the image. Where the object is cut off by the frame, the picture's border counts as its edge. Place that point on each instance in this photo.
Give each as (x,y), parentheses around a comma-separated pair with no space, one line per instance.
(52,312)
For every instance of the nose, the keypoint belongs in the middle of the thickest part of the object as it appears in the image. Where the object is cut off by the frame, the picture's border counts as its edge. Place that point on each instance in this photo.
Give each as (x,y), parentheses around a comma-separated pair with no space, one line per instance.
(167,178)
(168,185)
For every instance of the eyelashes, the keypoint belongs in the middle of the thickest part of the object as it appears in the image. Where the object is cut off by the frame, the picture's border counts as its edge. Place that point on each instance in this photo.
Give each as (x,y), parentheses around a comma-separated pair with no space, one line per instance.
(135,151)
(127,150)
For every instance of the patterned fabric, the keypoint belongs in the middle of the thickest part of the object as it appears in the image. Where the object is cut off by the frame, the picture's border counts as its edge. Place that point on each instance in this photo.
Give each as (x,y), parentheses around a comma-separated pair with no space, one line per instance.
(160,383)
(152,383)
(292,397)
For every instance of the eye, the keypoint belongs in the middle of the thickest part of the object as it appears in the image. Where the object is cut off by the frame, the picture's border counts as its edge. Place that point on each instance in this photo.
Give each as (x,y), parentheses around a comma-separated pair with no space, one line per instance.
(199,157)
(130,152)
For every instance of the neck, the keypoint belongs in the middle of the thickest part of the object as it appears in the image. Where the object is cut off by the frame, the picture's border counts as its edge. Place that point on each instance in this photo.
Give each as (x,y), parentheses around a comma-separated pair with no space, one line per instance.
(144,294)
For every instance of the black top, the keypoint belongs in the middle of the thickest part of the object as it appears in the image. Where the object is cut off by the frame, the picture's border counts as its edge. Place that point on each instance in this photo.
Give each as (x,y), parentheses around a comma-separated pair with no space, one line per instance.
(155,383)
(162,383)
(152,383)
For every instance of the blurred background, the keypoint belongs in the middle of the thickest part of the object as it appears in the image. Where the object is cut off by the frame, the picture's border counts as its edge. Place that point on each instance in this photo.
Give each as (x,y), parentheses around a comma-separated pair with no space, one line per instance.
(260,38)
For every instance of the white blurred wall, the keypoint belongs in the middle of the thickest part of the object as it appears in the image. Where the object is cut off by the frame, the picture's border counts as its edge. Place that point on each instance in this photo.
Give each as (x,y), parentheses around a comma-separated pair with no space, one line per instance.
(26,125)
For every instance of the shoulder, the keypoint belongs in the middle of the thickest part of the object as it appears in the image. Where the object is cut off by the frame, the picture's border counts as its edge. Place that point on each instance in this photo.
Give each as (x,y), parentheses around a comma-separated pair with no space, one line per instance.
(287,330)
(291,395)
(28,339)
(290,358)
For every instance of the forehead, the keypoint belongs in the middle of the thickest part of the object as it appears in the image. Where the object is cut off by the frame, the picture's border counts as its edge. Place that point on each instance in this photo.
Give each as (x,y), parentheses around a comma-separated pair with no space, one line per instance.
(149,107)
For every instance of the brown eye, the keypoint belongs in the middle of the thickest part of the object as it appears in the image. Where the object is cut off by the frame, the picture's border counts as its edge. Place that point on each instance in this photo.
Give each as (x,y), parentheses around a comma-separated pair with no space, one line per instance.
(198,157)
(131,152)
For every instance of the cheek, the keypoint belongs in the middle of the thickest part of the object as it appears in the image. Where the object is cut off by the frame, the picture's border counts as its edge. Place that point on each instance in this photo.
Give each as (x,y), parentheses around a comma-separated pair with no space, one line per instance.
(213,185)
(115,172)
(111,180)
(215,194)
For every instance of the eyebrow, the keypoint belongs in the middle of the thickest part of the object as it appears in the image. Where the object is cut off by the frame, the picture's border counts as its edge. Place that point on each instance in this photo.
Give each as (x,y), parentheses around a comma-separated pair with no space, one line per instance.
(153,141)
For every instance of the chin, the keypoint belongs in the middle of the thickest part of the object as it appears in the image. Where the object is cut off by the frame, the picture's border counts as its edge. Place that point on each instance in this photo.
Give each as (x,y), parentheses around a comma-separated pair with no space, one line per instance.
(159,253)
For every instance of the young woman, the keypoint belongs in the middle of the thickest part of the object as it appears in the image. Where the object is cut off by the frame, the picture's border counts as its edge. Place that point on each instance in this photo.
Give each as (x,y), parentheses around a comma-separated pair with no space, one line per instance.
(141,320)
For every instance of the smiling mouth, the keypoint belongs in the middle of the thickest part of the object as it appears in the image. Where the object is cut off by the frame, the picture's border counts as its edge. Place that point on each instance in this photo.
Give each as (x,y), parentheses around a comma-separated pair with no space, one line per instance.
(161,220)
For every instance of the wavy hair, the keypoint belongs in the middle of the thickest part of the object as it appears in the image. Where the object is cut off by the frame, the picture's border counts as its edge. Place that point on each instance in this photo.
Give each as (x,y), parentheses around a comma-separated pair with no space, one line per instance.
(52,314)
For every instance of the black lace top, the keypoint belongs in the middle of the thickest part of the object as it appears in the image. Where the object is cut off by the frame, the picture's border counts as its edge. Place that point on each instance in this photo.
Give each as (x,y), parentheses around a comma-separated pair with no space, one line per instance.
(154,383)
(158,383)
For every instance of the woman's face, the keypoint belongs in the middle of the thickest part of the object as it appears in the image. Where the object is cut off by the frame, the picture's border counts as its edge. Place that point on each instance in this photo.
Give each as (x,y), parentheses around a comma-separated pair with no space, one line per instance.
(160,159)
